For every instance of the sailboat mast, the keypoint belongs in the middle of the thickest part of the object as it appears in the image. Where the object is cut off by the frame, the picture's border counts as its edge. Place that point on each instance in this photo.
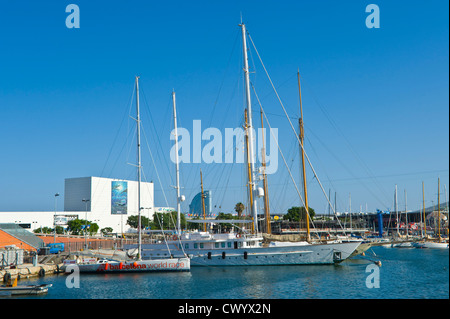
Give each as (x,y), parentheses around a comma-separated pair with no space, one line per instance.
(302,135)
(406,216)
(138,119)
(177,165)
(250,126)
(266,190)
(249,167)
(203,201)
(439,213)
(396,208)
(423,209)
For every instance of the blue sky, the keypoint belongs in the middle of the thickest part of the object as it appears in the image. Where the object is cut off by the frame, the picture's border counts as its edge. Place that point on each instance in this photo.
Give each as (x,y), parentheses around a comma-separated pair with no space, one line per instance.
(375,100)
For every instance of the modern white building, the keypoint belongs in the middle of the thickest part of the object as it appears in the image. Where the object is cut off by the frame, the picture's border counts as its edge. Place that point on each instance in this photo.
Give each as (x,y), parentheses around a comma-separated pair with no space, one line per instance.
(105,201)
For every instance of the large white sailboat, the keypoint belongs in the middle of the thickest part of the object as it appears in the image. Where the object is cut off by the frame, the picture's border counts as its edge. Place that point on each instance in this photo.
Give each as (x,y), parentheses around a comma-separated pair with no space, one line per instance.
(238,248)
(92,265)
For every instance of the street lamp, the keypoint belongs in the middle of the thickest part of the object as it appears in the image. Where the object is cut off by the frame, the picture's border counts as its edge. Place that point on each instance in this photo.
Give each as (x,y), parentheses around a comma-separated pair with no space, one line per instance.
(54,219)
(85,222)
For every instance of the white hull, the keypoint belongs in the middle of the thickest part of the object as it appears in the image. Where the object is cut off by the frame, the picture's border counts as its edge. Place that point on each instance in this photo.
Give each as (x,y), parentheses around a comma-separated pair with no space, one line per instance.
(432,245)
(232,251)
(403,245)
(24,290)
(320,254)
(173,264)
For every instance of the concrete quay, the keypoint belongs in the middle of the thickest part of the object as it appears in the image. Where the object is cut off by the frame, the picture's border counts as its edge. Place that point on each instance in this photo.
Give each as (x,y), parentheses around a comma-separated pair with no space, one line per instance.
(28,270)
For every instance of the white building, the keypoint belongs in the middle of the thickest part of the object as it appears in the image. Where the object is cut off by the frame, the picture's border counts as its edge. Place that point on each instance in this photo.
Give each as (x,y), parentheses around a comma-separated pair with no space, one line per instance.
(107,202)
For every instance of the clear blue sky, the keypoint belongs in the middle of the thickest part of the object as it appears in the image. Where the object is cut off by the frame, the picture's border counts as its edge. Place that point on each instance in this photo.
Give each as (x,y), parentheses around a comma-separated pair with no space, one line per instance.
(375,100)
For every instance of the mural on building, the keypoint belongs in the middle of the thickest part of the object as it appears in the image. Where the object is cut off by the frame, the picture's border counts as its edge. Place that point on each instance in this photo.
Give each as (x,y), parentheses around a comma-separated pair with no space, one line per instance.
(119,197)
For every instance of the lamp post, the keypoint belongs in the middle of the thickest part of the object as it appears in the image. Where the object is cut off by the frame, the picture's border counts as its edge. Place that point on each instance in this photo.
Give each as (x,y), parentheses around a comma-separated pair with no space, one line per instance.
(54,218)
(85,222)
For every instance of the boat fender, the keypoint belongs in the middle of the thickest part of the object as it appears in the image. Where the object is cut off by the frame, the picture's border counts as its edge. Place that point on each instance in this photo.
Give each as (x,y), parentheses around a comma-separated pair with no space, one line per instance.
(378,263)
(41,272)
(135,264)
(6,277)
(245,255)
(223,255)
(209,255)
(106,266)
(120,265)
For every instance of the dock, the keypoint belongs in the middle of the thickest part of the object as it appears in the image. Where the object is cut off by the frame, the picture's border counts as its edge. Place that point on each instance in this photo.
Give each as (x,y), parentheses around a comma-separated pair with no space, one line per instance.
(28,270)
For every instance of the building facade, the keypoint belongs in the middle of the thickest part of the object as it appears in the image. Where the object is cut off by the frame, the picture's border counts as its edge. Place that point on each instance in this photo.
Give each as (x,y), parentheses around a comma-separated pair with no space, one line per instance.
(104,201)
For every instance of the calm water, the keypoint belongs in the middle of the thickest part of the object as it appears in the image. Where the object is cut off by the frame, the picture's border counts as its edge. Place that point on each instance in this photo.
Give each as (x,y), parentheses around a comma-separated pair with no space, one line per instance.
(405,274)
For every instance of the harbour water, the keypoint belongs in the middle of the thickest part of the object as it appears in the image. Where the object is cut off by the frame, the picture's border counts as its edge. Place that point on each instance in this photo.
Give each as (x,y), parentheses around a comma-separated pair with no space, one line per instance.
(404,274)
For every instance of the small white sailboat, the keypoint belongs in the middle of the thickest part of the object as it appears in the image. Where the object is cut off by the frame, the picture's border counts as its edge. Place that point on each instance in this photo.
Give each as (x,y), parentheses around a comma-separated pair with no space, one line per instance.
(436,243)
(431,244)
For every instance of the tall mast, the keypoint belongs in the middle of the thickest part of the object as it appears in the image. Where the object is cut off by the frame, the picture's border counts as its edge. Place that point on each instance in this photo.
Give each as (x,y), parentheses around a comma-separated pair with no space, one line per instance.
(249,167)
(203,201)
(406,216)
(266,190)
(302,135)
(423,209)
(396,208)
(250,126)
(177,166)
(138,119)
(439,214)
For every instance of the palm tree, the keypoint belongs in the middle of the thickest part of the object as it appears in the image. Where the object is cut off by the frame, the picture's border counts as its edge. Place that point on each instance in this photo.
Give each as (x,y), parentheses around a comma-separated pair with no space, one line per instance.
(239,208)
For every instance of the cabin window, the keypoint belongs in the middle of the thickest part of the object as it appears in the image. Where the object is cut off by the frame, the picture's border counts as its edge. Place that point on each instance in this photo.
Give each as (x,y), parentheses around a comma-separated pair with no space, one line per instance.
(202,245)
(229,244)
(186,246)
(223,245)
(195,245)
(216,245)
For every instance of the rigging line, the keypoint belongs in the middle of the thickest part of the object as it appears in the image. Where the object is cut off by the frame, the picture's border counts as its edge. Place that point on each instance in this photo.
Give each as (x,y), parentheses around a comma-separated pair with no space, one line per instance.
(346,168)
(334,125)
(279,99)
(162,230)
(156,170)
(158,138)
(118,131)
(223,79)
(290,174)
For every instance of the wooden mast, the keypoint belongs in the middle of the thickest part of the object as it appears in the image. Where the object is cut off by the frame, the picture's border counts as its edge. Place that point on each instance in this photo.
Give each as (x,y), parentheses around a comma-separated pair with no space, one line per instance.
(439,214)
(423,210)
(249,168)
(203,201)
(266,191)
(301,135)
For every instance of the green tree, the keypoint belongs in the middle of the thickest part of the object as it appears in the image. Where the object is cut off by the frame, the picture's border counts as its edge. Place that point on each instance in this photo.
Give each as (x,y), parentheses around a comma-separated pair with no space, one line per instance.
(239,208)
(59,230)
(298,213)
(133,221)
(77,227)
(106,230)
(168,220)
(44,230)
